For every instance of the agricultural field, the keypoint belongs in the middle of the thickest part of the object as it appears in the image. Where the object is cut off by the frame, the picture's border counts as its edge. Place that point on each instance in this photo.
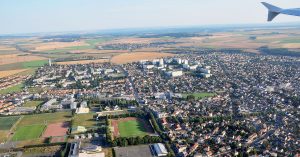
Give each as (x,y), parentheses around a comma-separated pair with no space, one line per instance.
(28,132)
(17,58)
(94,51)
(6,48)
(45,46)
(83,62)
(7,122)
(6,73)
(199,95)
(129,127)
(60,47)
(32,103)
(15,88)
(87,120)
(93,42)
(34,64)
(137,56)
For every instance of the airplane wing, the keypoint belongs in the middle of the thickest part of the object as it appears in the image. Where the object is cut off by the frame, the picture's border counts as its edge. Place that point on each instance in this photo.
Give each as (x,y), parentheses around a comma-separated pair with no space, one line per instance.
(274,11)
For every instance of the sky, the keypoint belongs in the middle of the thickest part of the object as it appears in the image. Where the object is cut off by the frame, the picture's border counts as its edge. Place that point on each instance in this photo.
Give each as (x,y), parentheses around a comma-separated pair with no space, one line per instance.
(32,16)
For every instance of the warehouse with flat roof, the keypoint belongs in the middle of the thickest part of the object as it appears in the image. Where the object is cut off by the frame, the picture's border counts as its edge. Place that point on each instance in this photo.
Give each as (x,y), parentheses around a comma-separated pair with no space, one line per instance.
(160,149)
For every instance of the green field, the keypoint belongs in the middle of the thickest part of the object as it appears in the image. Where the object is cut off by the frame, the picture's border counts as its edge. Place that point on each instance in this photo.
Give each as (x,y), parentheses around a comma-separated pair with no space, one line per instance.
(16,88)
(199,95)
(92,45)
(34,64)
(70,49)
(94,42)
(85,120)
(32,103)
(29,132)
(290,40)
(131,128)
(24,65)
(7,122)
(45,118)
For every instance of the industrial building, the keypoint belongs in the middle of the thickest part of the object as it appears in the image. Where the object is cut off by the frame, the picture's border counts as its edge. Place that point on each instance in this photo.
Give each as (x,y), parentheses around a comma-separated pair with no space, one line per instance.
(160,149)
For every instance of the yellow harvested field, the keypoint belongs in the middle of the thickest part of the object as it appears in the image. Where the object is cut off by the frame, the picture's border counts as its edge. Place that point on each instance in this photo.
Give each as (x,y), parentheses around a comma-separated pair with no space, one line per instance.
(292,45)
(15,58)
(92,51)
(83,62)
(10,72)
(137,56)
(56,45)
(6,48)
(132,40)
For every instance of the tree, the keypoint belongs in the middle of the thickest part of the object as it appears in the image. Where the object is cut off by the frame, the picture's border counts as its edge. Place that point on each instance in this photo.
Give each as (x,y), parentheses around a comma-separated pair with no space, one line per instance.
(190,97)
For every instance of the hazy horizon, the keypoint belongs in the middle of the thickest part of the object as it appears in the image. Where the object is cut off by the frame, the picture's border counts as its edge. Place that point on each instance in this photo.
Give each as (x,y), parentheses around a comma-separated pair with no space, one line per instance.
(32,16)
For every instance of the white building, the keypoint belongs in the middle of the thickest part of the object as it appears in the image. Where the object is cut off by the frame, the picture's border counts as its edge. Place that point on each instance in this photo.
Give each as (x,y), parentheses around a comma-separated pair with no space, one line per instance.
(206,75)
(50,105)
(178,60)
(174,73)
(50,63)
(160,149)
(148,66)
(193,67)
(186,62)
(161,62)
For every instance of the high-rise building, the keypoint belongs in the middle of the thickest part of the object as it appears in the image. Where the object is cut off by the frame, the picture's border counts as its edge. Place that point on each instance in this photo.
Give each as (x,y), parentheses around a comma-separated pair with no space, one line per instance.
(49,62)
(161,62)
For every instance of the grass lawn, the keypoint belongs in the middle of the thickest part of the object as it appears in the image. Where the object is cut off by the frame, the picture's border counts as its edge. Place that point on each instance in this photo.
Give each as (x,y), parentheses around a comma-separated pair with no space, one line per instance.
(131,128)
(28,132)
(85,120)
(7,122)
(199,95)
(16,88)
(34,64)
(32,103)
(45,117)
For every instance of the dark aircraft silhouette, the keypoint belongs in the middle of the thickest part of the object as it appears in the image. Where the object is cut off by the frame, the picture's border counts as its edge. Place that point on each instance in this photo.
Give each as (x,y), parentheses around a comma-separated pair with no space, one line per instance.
(274,11)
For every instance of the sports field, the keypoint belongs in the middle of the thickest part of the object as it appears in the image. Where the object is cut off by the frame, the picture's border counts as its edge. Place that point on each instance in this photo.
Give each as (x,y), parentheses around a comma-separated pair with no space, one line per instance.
(7,122)
(87,120)
(28,132)
(48,118)
(130,127)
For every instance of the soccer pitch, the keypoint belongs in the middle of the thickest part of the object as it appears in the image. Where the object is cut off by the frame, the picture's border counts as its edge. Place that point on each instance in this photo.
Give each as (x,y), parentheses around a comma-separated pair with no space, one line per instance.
(7,122)
(132,128)
(28,132)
